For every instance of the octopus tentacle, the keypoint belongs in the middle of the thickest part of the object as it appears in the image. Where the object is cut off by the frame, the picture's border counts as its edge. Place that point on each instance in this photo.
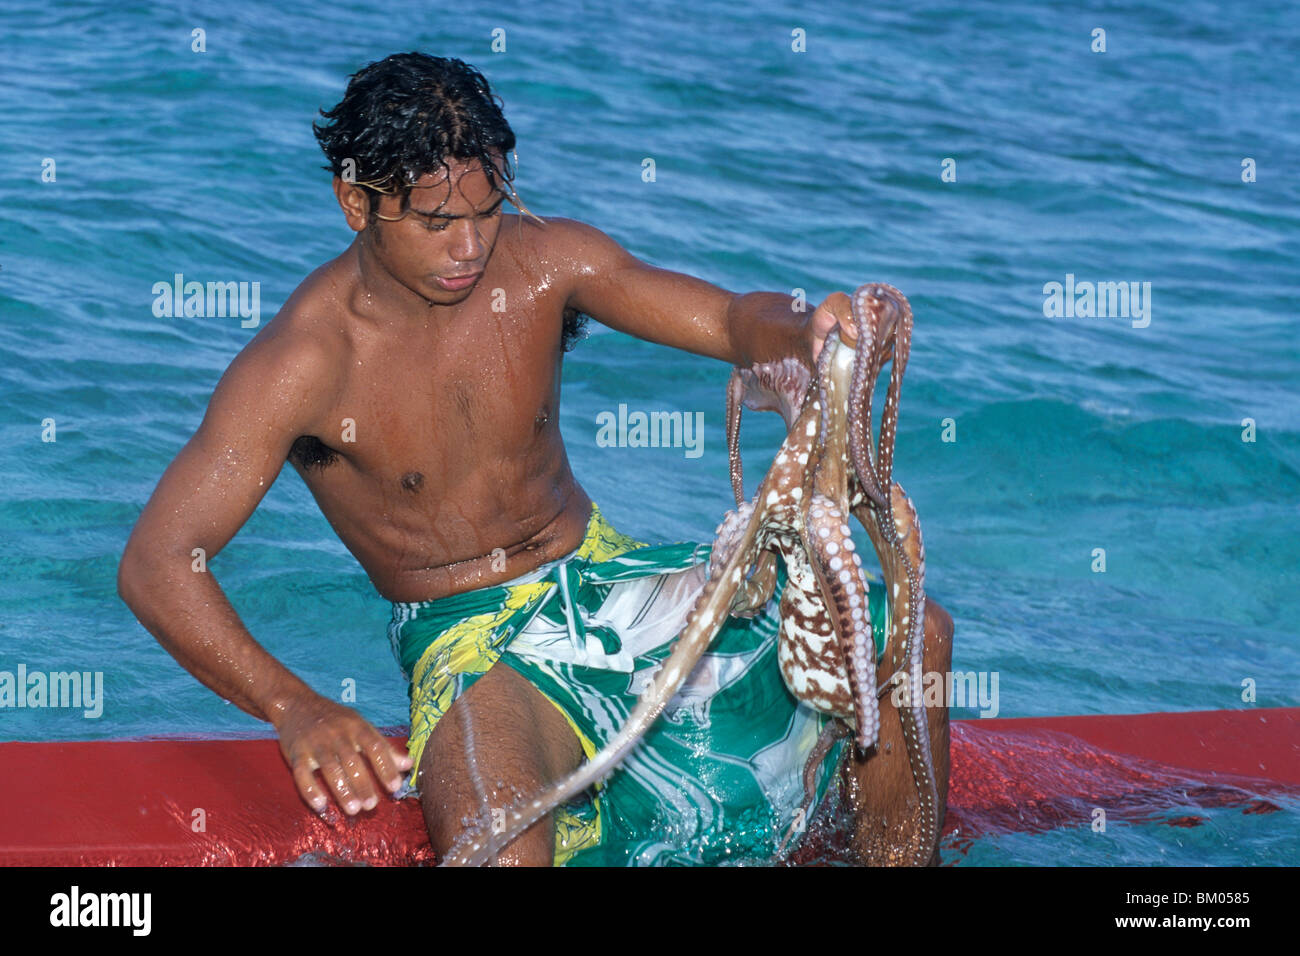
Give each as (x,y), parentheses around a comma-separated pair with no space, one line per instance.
(833,392)
(892,524)
(839,569)
(903,562)
(883,315)
(865,370)
(834,730)
(735,403)
(884,318)
(758,587)
(900,336)
(780,386)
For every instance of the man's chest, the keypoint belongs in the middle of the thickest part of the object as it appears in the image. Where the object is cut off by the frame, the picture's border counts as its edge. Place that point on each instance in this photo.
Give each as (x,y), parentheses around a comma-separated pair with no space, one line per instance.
(488,390)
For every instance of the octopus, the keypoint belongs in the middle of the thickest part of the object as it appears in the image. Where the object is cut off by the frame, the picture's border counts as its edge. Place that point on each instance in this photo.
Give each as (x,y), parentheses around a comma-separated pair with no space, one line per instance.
(826,470)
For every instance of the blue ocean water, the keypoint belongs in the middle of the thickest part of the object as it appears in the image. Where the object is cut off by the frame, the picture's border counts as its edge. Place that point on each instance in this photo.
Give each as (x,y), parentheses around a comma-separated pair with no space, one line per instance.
(775,169)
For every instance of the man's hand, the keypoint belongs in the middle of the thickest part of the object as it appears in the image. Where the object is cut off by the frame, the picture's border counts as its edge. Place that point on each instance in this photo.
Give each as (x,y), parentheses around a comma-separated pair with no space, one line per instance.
(834,311)
(318,734)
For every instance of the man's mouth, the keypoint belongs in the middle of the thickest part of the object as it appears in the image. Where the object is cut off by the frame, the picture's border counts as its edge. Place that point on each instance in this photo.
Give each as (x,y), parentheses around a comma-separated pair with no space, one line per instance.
(455,283)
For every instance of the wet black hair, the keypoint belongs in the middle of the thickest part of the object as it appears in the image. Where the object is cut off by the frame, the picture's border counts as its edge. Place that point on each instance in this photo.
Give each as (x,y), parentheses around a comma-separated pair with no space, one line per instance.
(404,116)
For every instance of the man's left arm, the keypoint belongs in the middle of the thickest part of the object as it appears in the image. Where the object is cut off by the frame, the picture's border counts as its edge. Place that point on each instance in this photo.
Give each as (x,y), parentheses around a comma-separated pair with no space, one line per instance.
(671,308)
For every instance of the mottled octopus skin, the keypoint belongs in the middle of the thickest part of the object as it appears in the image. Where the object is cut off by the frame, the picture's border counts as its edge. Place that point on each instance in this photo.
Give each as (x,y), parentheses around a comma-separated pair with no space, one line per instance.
(824,471)
(884,320)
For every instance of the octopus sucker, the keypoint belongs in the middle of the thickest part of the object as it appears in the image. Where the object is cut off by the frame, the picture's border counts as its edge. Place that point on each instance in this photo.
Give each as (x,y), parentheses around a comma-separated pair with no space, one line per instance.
(825,470)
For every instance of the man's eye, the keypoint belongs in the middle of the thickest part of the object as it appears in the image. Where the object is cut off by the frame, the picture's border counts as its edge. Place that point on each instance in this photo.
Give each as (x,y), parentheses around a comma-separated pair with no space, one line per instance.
(440,225)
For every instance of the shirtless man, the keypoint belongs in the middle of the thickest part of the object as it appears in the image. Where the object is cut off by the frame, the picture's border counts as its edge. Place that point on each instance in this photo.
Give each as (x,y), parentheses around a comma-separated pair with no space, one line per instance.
(414,384)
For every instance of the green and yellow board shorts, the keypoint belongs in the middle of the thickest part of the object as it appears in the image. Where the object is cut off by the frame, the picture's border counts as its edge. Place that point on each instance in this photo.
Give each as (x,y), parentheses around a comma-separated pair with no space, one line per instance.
(717,778)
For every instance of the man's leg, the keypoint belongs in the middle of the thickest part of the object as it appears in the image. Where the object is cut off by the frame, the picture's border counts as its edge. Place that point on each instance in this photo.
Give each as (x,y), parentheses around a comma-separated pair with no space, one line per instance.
(881,789)
(499,743)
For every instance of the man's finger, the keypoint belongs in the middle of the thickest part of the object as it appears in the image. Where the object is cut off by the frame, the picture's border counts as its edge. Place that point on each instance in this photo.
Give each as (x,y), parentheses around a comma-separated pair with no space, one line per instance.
(835,310)
(337,778)
(359,779)
(848,328)
(839,305)
(388,761)
(304,775)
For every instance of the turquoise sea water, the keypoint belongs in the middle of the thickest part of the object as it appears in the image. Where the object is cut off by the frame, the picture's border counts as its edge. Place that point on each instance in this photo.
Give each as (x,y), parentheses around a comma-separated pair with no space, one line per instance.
(774,170)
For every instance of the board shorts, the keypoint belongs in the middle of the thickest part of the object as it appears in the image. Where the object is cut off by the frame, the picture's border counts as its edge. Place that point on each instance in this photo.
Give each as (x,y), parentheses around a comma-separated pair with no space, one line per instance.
(719,775)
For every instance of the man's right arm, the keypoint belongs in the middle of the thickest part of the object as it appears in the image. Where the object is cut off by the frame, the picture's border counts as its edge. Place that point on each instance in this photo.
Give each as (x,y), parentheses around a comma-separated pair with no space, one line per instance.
(272,392)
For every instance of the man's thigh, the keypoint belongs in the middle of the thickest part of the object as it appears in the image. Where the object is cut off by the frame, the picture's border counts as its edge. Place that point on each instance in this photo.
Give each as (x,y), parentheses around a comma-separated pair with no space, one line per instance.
(499,743)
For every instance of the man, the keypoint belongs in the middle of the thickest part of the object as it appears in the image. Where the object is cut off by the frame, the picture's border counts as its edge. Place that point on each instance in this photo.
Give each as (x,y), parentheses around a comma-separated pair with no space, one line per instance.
(414,384)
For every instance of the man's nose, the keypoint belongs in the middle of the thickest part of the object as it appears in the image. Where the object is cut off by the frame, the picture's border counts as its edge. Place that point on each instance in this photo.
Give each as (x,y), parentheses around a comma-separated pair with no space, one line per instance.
(467,242)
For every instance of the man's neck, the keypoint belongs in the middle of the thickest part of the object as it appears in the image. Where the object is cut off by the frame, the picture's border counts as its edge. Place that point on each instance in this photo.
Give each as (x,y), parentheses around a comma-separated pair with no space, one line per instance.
(382,298)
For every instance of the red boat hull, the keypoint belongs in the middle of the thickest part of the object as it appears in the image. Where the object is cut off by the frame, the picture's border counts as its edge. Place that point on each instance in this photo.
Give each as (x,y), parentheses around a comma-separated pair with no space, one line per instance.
(232,802)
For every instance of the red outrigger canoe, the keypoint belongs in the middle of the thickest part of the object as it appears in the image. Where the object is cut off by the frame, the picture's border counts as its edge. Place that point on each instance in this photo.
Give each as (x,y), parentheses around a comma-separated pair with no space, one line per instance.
(232,802)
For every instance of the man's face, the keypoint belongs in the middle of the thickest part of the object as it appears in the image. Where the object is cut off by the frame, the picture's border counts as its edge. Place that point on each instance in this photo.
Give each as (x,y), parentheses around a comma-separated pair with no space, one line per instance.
(441,246)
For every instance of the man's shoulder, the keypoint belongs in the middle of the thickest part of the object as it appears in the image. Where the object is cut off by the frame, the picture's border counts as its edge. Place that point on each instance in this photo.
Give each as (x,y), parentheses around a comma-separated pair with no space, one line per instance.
(561,234)
(304,338)
(315,309)
(569,246)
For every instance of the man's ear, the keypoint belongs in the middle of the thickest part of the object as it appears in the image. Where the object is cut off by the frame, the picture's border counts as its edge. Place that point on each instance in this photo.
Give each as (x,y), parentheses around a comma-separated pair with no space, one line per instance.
(355,203)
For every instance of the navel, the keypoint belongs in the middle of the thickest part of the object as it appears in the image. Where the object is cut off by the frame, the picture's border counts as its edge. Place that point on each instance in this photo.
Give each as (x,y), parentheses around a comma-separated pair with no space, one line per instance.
(544,416)
(412,480)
